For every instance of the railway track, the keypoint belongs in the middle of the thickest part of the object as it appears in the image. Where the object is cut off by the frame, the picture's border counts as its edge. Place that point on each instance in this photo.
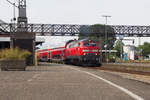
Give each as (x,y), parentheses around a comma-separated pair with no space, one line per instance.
(104,67)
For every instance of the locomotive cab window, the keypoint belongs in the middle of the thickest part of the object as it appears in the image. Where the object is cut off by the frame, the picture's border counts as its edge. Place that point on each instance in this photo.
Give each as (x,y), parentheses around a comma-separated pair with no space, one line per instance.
(93,44)
(86,44)
(89,43)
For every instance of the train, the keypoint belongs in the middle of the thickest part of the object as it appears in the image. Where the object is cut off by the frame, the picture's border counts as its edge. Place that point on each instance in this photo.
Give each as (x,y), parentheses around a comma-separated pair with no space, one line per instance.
(83,52)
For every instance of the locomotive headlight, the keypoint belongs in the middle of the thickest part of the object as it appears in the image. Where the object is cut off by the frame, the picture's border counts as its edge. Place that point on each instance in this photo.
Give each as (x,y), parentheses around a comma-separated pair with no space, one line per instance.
(94,50)
(85,50)
(84,54)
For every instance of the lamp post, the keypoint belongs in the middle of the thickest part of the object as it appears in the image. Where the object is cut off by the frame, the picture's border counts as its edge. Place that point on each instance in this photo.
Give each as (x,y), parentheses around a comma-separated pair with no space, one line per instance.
(106,18)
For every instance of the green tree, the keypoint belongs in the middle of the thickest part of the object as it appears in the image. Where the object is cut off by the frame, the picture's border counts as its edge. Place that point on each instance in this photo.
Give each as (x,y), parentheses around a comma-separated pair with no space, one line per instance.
(118,46)
(145,49)
(97,32)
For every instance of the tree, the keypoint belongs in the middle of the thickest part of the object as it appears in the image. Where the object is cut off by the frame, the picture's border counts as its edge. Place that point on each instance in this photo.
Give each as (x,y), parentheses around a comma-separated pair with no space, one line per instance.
(84,32)
(145,49)
(97,32)
(118,46)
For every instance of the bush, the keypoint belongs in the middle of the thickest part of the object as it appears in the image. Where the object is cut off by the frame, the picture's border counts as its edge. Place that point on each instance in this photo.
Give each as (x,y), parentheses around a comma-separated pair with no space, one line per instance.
(14,53)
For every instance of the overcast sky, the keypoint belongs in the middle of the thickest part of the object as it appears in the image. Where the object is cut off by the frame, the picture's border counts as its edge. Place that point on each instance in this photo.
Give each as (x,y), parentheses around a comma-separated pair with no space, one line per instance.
(123,12)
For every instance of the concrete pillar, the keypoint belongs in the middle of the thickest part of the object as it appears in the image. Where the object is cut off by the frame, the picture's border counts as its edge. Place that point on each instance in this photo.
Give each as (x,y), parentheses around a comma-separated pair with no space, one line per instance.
(25,41)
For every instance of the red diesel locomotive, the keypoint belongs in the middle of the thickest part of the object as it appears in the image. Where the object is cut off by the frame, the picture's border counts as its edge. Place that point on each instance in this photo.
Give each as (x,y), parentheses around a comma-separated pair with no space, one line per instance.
(78,52)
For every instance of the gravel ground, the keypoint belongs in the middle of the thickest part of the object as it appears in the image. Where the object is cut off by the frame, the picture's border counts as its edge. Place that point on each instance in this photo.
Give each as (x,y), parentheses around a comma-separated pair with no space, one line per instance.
(133,64)
(142,78)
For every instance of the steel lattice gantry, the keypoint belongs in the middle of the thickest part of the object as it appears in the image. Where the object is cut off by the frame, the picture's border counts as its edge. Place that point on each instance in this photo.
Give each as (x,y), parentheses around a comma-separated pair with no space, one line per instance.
(140,31)
(73,30)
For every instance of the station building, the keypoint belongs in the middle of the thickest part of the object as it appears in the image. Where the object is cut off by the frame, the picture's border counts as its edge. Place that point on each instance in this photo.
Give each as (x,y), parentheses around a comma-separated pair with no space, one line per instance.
(5,41)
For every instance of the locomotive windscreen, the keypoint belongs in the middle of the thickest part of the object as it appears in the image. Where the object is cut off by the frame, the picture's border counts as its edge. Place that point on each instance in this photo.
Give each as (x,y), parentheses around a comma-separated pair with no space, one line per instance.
(89,43)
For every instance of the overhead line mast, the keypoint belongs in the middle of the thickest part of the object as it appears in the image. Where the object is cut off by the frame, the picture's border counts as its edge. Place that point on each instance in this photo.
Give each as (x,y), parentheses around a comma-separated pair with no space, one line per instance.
(22,18)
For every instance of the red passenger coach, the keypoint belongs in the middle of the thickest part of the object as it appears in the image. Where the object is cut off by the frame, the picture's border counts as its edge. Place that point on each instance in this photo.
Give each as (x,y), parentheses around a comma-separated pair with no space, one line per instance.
(57,54)
(43,55)
(39,55)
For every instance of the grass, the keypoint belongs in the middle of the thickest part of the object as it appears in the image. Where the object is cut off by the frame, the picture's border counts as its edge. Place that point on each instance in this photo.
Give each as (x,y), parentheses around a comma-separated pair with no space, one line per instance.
(14,53)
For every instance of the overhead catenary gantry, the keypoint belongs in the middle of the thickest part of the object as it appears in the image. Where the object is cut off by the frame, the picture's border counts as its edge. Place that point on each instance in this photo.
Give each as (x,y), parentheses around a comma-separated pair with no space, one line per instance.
(74,30)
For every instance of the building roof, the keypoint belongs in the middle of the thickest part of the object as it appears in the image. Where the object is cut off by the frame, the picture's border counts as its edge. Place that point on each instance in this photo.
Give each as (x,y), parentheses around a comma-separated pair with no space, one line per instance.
(7,39)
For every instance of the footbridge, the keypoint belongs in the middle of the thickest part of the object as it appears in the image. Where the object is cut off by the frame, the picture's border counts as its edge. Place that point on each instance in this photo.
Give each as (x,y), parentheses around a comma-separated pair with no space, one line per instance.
(74,30)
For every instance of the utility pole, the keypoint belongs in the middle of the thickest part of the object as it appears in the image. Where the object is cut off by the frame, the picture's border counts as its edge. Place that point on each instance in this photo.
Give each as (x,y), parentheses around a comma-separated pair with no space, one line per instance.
(105,46)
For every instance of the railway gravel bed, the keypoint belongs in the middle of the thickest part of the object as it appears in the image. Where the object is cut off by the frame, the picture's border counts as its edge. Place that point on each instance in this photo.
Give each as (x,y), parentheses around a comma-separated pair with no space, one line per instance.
(128,67)
(134,71)
(145,78)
